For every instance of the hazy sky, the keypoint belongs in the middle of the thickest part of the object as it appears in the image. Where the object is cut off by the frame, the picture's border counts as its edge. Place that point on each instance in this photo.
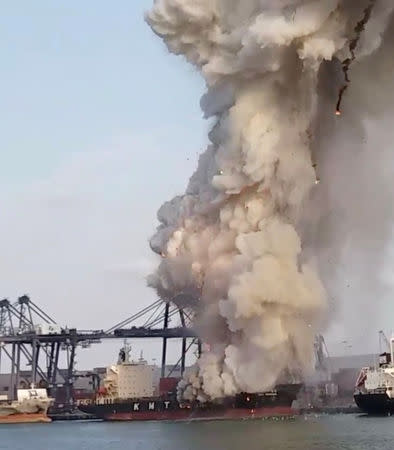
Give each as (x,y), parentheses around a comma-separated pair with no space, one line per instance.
(98,126)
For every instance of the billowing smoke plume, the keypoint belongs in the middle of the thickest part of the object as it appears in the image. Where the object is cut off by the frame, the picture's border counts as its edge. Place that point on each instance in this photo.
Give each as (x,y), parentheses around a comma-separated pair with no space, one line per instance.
(231,244)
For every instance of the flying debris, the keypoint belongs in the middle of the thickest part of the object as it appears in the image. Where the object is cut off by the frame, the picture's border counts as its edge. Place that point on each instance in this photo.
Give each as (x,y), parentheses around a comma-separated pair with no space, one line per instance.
(290,12)
(338,111)
(359,29)
(317,181)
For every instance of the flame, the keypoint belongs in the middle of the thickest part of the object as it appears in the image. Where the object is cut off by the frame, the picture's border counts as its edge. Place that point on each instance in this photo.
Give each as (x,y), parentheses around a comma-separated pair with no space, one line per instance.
(338,113)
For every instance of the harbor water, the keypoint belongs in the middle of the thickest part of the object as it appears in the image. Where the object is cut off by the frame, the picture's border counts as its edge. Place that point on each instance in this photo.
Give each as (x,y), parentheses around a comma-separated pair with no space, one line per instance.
(304,433)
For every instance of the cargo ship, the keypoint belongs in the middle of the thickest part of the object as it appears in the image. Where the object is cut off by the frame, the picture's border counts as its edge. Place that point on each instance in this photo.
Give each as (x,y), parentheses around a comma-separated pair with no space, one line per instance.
(130,392)
(31,406)
(374,392)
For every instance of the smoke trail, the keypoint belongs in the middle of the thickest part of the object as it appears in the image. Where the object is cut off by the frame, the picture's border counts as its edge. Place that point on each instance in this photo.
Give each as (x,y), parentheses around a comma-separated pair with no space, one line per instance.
(231,242)
(359,29)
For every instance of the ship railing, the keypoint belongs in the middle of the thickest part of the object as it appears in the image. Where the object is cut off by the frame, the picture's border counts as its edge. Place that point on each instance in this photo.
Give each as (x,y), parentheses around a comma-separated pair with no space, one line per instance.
(90,334)
(381,390)
(15,331)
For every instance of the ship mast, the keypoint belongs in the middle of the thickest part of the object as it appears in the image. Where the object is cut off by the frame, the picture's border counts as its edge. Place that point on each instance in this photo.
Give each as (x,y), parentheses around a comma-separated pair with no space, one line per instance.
(124,353)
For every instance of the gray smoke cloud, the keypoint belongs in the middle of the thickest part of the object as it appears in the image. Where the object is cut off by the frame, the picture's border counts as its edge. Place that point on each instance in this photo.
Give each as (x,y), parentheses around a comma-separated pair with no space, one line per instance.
(233,241)
(349,220)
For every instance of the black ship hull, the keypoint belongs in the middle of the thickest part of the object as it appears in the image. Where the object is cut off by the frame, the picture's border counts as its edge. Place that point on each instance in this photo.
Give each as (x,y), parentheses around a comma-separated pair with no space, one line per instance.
(244,406)
(374,403)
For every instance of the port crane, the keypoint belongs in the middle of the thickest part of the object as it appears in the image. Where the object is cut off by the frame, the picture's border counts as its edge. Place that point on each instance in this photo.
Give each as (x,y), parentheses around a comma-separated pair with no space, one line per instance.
(30,337)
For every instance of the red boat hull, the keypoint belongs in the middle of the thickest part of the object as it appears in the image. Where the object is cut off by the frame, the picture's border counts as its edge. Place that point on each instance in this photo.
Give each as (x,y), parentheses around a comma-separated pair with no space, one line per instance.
(25,418)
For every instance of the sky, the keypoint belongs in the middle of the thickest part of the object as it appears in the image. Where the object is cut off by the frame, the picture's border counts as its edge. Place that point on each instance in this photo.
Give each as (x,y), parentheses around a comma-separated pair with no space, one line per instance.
(99,125)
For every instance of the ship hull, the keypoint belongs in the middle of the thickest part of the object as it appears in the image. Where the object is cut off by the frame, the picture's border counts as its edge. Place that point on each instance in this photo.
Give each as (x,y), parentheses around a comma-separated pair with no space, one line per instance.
(375,403)
(245,406)
(25,418)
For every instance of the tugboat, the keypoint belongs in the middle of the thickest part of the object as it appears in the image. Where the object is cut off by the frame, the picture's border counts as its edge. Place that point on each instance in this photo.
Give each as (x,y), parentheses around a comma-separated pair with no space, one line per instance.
(31,406)
(131,393)
(374,393)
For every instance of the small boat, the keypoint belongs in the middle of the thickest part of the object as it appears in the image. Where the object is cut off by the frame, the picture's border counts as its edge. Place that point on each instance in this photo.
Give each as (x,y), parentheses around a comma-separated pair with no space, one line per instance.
(31,406)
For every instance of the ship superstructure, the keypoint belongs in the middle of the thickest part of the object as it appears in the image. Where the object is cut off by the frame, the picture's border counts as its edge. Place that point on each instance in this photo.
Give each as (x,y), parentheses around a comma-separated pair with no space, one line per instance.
(129,379)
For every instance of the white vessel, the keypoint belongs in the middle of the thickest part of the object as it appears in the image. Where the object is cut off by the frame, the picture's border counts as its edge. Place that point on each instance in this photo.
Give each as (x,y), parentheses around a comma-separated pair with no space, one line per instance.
(31,406)
(374,392)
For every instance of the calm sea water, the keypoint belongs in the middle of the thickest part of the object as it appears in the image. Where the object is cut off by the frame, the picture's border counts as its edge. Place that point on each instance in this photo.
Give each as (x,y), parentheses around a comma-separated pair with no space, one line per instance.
(310,433)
